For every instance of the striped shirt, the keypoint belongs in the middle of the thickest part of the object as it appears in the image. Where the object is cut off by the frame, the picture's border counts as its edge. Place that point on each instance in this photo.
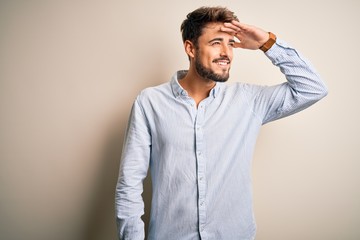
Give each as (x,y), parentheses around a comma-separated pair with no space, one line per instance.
(200,157)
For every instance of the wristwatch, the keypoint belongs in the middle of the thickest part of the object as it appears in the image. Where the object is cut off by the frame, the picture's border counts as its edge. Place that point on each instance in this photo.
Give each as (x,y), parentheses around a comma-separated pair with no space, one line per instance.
(266,46)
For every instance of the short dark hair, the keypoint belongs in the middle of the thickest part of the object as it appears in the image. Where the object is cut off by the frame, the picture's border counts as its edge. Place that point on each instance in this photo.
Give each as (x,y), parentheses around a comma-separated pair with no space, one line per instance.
(191,28)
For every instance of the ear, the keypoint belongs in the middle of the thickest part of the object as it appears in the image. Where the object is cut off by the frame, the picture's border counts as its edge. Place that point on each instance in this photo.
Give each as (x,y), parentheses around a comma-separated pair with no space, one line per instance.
(189,48)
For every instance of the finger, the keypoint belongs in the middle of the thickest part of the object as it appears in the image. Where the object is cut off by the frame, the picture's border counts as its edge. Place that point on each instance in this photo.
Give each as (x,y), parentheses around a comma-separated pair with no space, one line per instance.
(238,45)
(231,26)
(236,23)
(239,25)
(240,36)
(229,30)
(241,39)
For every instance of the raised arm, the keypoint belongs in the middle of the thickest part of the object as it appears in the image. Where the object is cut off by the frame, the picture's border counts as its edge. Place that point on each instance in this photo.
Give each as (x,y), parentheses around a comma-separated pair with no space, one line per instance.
(303,88)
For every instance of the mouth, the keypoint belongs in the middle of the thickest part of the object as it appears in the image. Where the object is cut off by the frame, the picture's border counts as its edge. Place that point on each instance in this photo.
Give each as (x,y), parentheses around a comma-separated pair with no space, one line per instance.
(222,62)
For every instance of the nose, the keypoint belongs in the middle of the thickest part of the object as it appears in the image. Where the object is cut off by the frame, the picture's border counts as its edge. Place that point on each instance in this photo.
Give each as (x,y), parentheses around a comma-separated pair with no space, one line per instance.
(226,51)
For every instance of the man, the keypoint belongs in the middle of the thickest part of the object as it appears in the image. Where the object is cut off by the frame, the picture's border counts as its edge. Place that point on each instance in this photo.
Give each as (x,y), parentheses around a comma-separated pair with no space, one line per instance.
(197,134)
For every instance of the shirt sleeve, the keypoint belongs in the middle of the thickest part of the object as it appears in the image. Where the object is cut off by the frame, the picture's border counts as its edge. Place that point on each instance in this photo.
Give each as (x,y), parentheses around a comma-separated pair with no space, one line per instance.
(133,170)
(303,88)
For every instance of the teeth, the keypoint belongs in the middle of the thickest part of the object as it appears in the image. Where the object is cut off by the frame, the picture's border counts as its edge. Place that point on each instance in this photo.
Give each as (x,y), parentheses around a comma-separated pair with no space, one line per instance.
(222,63)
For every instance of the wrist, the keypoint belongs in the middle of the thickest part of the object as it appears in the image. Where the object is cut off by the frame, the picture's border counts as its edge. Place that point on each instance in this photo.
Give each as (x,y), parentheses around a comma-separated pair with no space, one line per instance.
(269,43)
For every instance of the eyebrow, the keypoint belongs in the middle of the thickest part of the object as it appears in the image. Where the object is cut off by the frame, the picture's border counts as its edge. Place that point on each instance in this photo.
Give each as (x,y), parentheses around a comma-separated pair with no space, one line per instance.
(221,39)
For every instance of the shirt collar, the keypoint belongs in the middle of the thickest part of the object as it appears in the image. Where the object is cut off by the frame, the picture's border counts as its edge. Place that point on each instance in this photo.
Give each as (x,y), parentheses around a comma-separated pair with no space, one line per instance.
(178,91)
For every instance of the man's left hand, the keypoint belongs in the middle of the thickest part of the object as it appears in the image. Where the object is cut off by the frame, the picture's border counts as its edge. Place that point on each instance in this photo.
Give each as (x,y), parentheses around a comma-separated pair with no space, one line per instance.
(250,37)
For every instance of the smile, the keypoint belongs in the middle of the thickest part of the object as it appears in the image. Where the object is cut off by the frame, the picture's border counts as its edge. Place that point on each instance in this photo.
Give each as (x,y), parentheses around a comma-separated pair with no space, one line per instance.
(222,62)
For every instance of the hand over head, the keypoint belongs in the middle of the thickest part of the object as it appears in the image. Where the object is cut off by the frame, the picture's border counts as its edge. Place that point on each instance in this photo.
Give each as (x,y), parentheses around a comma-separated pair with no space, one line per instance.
(250,37)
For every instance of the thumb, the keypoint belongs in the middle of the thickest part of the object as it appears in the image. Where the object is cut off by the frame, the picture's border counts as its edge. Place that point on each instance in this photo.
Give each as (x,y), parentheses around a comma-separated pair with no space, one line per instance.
(239,45)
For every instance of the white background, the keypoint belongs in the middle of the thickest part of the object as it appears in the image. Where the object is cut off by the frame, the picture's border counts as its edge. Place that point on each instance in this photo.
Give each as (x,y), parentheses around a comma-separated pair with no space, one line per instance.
(70,70)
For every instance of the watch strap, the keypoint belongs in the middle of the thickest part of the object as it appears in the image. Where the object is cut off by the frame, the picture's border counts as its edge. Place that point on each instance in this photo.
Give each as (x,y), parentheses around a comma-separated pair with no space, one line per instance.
(269,43)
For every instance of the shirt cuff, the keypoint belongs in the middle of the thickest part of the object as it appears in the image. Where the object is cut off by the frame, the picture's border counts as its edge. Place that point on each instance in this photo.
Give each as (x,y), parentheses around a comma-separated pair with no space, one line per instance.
(279,50)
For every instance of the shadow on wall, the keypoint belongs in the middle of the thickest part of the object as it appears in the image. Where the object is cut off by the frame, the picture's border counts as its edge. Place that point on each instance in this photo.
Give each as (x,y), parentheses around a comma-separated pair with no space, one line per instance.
(101,218)
(147,194)
(100,223)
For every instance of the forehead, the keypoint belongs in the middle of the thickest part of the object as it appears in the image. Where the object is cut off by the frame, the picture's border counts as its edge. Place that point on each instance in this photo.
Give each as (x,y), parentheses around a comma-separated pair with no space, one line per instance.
(212,30)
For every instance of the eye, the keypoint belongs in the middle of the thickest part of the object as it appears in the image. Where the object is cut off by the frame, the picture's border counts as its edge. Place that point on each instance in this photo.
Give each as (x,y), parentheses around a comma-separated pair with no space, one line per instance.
(215,43)
(231,44)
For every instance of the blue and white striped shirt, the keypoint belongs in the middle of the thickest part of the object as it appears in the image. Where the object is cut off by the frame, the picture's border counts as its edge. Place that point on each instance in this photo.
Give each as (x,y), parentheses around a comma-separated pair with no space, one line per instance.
(200,158)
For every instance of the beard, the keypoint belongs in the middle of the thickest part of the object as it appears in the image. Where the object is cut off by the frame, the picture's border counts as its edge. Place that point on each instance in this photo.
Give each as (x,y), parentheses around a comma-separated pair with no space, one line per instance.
(209,74)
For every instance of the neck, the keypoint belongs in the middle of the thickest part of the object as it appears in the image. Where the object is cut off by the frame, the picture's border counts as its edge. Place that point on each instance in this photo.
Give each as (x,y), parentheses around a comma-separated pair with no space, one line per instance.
(197,87)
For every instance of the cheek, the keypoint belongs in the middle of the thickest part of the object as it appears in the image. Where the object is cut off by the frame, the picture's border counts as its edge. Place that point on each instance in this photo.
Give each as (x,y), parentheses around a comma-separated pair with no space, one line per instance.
(206,59)
(207,56)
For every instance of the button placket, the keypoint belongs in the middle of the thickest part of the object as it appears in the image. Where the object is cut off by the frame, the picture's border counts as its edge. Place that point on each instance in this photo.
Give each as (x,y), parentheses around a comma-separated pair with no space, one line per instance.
(201,166)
